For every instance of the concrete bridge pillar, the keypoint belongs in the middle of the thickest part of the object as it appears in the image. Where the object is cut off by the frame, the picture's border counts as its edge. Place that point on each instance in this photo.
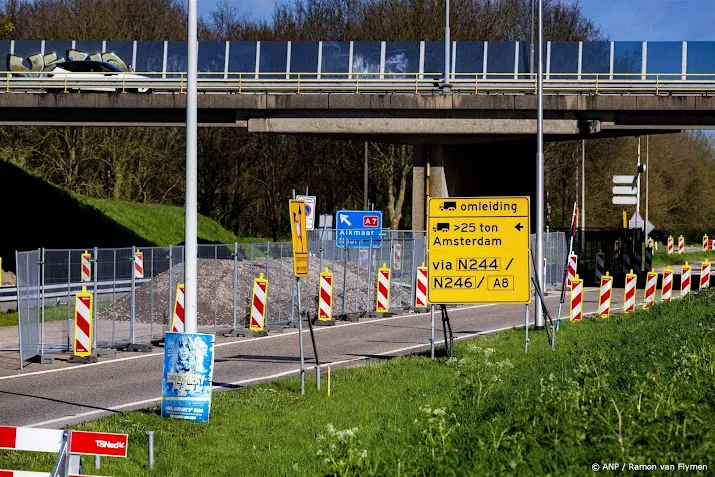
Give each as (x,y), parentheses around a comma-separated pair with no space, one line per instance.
(428,180)
(505,168)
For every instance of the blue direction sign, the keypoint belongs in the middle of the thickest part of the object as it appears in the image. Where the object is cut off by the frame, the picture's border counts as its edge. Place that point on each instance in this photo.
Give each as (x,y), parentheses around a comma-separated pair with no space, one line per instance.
(355,228)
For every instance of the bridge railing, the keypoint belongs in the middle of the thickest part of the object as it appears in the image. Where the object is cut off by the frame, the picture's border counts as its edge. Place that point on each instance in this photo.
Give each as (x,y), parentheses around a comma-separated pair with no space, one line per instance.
(364,83)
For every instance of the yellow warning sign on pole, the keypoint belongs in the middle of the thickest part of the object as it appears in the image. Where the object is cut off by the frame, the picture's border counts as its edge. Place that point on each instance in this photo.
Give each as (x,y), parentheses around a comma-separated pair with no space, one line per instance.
(478,250)
(300,239)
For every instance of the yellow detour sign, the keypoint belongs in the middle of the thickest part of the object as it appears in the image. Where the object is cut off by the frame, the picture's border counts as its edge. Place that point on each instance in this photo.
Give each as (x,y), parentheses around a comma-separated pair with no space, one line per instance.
(83,323)
(478,250)
(300,239)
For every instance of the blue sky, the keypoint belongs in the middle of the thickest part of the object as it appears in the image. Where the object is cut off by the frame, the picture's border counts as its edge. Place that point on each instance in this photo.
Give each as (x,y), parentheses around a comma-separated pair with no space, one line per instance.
(625,20)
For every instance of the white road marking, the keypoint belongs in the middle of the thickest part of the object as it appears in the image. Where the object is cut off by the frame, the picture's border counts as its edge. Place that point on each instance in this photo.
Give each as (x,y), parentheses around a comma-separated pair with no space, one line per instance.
(232,343)
(278,375)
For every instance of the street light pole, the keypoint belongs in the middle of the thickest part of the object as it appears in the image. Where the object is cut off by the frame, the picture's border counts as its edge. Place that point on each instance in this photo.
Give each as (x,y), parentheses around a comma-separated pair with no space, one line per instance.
(364,184)
(191,202)
(445,86)
(647,171)
(539,315)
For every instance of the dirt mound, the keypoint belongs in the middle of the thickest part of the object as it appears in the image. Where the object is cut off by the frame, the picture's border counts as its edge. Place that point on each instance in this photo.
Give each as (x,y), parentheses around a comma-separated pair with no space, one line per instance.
(8,279)
(215,292)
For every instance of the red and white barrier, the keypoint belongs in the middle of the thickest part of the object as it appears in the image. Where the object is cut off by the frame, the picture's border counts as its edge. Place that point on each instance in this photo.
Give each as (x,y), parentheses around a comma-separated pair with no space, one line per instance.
(571,270)
(667,291)
(704,275)
(382,297)
(685,279)
(576,308)
(83,323)
(670,245)
(629,295)
(86,267)
(681,245)
(138,264)
(177,319)
(604,296)
(706,243)
(421,288)
(649,292)
(259,302)
(32,439)
(600,265)
(325,297)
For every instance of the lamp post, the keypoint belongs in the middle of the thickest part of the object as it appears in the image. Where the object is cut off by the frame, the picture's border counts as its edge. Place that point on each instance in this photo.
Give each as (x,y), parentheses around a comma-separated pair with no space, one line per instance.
(191,201)
(539,315)
(445,85)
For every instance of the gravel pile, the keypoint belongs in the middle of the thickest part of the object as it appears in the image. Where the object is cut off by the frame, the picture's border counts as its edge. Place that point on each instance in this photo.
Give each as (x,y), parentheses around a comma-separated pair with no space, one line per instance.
(215,290)
(8,279)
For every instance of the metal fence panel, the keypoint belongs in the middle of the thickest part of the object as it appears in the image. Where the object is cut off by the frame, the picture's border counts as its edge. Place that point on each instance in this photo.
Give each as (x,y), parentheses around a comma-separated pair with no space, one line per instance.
(28,304)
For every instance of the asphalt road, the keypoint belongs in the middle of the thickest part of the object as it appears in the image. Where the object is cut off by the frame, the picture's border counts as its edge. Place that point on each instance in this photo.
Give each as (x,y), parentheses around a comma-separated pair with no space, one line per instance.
(65,395)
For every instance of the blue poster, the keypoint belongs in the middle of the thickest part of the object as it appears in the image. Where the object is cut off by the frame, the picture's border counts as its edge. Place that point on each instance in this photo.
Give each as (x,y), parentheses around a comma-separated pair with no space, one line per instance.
(188,372)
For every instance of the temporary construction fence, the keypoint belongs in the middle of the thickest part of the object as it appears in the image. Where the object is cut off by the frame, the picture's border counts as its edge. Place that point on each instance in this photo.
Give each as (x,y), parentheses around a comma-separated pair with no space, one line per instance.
(130,310)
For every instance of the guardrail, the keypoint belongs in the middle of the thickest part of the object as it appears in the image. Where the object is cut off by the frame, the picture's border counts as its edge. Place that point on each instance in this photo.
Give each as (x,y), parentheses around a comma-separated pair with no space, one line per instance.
(362,83)
(9,294)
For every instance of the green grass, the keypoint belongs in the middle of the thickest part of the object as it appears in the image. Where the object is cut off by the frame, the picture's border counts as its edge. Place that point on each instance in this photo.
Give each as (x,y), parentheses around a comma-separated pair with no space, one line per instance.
(661,257)
(159,224)
(633,388)
(52,313)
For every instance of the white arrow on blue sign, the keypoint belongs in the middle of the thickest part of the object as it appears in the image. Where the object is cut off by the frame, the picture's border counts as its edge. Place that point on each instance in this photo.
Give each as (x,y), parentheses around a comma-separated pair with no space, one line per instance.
(356,228)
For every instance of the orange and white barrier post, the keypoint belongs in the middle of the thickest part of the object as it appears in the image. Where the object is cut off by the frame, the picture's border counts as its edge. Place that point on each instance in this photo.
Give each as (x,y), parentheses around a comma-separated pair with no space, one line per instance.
(649,293)
(629,296)
(681,245)
(421,287)
(83,323)
(706,243)
(670,245)
(259,301)
(600,265)
(138,264)
(325,299)
(685,279)
(604,296)
(705,274)
(571,270)
(382,297)
(86,267)
(650,243)
(576,299)
(177,319)
(667,291)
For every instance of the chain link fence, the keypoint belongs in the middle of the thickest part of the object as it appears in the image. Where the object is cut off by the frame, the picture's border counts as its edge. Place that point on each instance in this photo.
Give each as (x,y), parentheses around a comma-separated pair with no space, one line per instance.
(131,309)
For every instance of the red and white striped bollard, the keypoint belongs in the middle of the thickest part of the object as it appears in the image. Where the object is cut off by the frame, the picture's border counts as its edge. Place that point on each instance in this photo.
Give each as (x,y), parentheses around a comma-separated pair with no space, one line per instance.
(177,319)
(604,296)
(649,292)
(629,295)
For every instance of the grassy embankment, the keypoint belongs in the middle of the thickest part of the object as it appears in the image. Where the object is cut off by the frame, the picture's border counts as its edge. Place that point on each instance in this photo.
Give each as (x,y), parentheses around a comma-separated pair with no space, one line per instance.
(661,257)
(633,388)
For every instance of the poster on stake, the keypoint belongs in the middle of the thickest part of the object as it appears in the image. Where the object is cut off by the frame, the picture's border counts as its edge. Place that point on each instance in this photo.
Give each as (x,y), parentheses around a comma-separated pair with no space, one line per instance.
(188,373)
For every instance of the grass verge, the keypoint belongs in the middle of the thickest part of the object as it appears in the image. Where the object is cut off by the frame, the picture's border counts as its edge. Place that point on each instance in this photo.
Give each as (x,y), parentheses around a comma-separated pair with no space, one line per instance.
(633,388)
(661,257)
(52,313)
